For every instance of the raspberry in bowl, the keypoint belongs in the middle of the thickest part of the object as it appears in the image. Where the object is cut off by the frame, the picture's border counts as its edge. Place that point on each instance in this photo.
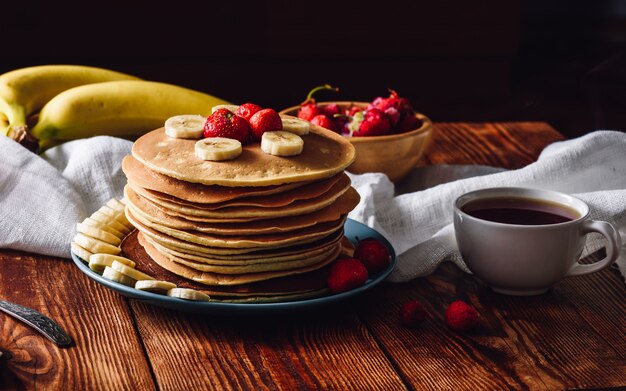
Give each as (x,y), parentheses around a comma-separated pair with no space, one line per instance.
(388,135)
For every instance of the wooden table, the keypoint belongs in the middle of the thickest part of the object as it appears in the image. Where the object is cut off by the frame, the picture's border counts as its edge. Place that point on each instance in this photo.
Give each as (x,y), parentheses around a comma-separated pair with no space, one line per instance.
(572,337)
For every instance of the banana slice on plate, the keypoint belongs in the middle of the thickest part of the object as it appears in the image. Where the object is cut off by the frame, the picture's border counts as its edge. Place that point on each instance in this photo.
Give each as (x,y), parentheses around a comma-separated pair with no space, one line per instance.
(104,227)
(154,286)
(81,252)
(295,125)
(130,272)
(116,276)
(98,234)
(188,294)
(218,148)
(110,221)
(94,245)
(114,214)
(97,262)
(281,143)
(116,204)
(231,108)
(185,126)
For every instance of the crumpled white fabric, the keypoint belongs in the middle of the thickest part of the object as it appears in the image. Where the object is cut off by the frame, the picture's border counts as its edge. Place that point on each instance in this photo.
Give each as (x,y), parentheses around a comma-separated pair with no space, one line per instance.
(42,197)
(418,224)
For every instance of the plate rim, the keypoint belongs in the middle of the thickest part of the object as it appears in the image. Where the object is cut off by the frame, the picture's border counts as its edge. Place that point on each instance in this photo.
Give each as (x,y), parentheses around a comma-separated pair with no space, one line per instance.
(204,306)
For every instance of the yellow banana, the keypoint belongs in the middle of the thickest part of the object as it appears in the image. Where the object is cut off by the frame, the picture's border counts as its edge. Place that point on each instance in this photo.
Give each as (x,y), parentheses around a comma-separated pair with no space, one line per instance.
(25,91)
(117,108)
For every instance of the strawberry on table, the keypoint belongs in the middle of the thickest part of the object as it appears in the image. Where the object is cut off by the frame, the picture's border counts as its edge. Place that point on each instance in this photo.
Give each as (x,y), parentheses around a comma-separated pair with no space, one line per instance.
(247,110)
(412,314)
(223,123)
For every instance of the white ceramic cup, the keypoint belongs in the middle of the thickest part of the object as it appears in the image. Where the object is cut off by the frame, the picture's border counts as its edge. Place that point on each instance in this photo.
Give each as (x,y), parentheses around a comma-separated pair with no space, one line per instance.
(527,260)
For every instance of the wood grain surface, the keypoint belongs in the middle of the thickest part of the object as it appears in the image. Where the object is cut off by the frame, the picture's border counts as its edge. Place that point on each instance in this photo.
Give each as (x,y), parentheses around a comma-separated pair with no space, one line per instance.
(570,338)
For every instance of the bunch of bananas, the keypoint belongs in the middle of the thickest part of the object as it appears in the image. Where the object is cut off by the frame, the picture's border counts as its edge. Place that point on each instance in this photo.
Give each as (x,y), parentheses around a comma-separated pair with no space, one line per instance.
(72,101)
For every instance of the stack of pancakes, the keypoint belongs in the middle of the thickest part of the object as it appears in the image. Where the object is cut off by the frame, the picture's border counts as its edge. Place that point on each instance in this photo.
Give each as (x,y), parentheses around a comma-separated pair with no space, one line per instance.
(256,228)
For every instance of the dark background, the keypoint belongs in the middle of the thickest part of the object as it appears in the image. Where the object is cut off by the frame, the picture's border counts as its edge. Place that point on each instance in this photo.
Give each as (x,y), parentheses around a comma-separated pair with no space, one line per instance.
(561,61)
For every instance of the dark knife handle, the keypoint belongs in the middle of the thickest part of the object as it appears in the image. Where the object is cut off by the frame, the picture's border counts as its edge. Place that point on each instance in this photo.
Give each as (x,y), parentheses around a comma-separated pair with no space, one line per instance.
(39,322)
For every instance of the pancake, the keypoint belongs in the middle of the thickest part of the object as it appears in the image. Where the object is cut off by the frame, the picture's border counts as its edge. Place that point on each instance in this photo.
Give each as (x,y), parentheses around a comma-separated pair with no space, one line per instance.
(305,235)
(194,192)
(305,192)
(207,278)
(184,246)
(247,212)
(325,154)
(297,286)
(244,259)
(344,204)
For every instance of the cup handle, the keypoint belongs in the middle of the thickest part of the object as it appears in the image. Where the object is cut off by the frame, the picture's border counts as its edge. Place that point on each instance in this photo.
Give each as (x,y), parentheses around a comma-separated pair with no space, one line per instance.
(613,247)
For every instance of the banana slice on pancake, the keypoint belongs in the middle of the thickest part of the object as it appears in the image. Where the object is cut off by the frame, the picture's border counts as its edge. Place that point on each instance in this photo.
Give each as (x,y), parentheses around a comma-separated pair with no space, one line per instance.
(281,143)
(218,148)
(188,294)
(295,125)
(188,126)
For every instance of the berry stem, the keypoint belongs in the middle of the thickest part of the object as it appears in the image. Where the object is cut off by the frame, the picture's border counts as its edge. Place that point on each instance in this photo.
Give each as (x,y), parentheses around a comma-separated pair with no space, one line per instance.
(309,97)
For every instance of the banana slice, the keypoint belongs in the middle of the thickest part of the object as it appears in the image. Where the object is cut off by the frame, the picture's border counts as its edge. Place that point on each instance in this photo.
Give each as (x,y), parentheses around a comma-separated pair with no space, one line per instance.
(185,126)
(81,252)
(281,143)
(116,276)
(116,204)
(154,286)
(98,234)
(120,217)
(188,294)
(129,271)
(94,245)
(108,220)
(97,262)
(232,108)
(295,125)
(218,148)
(104,227)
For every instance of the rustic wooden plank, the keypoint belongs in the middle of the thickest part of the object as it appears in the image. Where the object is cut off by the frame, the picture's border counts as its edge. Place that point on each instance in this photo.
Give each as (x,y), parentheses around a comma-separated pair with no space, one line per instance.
(106,352)
(506,144)
(537,342)
(327,349)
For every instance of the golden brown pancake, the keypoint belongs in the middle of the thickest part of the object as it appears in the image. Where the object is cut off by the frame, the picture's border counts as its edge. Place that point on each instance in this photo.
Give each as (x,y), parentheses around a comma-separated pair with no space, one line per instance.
(344,204)
(306,235)
(194,192)
(305,192)
(225,279)
(325,154)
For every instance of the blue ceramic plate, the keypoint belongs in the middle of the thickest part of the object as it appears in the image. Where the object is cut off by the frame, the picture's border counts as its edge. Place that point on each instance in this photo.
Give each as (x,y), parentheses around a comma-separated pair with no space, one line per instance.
(353,230)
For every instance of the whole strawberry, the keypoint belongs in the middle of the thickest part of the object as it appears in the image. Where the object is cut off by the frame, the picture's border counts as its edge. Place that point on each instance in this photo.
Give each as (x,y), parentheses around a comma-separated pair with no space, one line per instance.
(309,108)
(323,121)
(373,254)
(266,120)
(460,316)
(346,274)
(247,110)
(223,123)
(412,314)
(375,123)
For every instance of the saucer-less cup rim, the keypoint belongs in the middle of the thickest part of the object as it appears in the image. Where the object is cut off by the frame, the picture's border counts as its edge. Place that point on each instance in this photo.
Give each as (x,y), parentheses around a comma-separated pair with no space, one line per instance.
(587,225)
(524,193)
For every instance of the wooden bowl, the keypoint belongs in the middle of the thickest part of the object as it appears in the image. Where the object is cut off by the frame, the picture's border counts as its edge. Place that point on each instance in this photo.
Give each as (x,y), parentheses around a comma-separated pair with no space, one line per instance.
(395,155)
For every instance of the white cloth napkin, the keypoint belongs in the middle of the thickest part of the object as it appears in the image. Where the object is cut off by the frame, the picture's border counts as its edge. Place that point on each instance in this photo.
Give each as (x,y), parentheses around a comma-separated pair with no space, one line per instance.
(42,197)
(592,167)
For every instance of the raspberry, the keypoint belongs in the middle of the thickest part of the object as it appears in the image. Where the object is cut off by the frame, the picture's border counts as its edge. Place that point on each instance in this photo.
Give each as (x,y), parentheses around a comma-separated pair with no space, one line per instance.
(346,274)
(265,120)
(461,316)
(223,123)
(412,314)
(373,254)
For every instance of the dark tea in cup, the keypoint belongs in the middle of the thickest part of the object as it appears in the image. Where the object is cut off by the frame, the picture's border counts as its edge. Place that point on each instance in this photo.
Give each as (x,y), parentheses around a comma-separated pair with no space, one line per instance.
(520,211)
